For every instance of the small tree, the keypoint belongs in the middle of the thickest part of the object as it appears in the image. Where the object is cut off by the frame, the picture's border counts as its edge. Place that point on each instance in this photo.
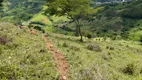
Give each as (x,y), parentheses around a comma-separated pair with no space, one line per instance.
(76,10)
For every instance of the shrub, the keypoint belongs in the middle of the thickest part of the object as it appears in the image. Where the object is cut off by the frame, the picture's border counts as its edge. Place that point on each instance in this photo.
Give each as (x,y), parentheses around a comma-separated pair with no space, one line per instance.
(37,26)
(65,44)
(129,69)
(87,34)
(110,48)
(94,47)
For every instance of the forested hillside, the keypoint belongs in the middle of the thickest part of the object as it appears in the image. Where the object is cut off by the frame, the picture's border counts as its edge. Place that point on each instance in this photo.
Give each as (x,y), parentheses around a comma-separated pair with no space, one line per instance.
(114,20)
(21,10)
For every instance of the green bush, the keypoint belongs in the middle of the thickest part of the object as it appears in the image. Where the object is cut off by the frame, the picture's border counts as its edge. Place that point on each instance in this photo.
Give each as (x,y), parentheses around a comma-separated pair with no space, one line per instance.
(65,44)
(129,69)
(94,47)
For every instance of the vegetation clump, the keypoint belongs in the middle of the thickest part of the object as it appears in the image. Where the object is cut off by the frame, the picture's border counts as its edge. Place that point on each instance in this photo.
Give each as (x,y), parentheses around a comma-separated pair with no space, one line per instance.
(110,48)
(94,47)
(65,44)
(129,69)
(3,40)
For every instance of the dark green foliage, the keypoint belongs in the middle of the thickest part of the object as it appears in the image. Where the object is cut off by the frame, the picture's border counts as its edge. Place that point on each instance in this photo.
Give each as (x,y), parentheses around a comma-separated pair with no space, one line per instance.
(129,69)
(37,25)
(65,44)
(87,34)
(110,48)
(133,10)
(110,13)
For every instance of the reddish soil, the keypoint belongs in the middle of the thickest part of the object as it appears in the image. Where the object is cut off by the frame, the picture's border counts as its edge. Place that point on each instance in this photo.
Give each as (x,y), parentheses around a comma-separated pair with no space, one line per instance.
(61,62)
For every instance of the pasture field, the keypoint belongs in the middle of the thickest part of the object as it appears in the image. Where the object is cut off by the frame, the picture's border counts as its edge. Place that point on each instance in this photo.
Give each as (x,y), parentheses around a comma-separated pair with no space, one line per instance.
(25,56)
(106,60)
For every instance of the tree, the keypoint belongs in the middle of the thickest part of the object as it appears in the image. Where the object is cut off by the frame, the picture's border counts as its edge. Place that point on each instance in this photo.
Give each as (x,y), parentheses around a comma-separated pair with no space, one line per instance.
(76,10)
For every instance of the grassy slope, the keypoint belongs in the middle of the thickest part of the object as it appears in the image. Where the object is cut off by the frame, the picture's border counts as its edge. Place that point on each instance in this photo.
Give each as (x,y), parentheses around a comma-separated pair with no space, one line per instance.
(26,57)
(41,18)
(106,65)
(49,24)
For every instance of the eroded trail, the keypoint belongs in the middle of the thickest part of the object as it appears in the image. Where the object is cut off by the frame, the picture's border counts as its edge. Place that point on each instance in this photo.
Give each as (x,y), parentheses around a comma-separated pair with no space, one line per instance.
(61,62)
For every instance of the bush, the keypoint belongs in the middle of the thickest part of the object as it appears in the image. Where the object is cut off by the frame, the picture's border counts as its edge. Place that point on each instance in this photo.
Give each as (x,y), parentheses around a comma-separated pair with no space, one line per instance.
(129,69)
(65,44)
(37,26)
(110,48)
(94,47)
(87,34)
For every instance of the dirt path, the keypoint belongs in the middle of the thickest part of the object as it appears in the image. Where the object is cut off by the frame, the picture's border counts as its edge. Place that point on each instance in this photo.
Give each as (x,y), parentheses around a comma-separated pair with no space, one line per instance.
(61,62)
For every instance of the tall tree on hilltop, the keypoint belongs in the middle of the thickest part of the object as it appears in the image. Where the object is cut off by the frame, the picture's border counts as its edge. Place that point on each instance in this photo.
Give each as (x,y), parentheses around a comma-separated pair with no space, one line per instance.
(76,10)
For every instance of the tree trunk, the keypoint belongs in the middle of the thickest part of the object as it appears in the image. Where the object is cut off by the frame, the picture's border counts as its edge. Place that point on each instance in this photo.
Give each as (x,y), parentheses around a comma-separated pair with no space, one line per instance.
(79,30)
(81,37)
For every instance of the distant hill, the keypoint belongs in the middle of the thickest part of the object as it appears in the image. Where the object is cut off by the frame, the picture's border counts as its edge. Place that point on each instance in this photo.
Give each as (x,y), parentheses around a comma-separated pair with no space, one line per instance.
(115,20)
(24,10)
(114,0)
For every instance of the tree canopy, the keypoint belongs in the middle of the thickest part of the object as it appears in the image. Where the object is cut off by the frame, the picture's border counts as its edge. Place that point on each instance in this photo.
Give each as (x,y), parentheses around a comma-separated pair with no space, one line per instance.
(76,10)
